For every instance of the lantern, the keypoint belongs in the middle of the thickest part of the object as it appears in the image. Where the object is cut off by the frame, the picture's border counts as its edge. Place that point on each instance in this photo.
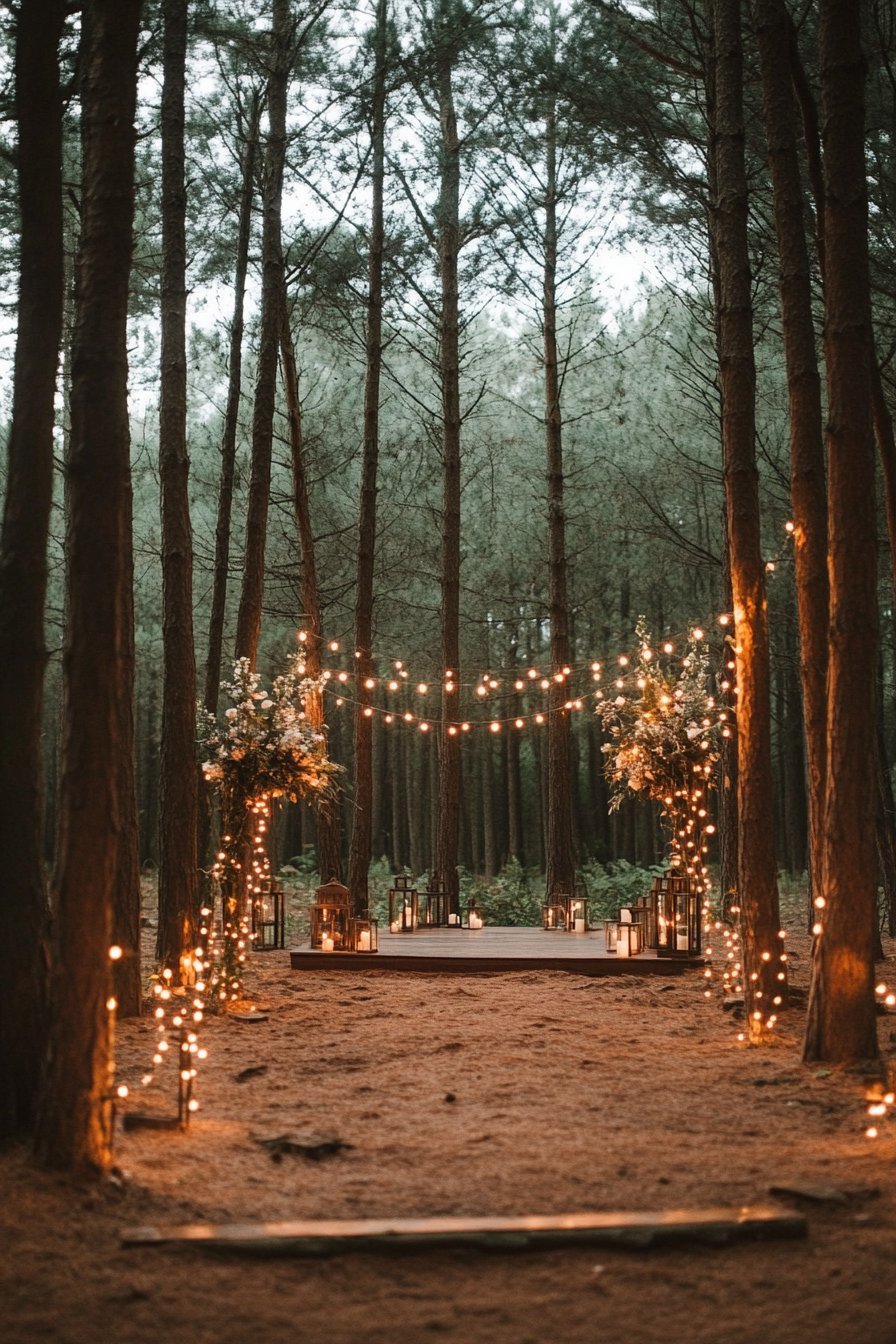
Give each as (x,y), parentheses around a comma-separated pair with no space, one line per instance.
(474,915)
(643,912)
(628,939)
(677,907)
(555,912)
(578,913)
(330,918)
(436,912)
(403,906)
(269,916)
(363,935)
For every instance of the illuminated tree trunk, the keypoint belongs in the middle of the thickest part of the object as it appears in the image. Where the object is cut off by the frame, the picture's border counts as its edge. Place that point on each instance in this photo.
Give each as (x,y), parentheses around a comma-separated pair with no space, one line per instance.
(757,877)
(329,831)
(807,461)
(362,813)
(449,366)
(842,1024)
(23,560)
(560,847)
(273,317)
(177,768)
(74,1123)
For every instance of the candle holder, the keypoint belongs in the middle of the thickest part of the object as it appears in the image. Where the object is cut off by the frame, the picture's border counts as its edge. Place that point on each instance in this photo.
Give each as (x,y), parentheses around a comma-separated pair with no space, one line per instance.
(677,908)
(555,912)
(643,912)
(610,928)
(330,917)
(403,906)
(578,914)
(475,919)
(363,936)
(436,911)
(269,917)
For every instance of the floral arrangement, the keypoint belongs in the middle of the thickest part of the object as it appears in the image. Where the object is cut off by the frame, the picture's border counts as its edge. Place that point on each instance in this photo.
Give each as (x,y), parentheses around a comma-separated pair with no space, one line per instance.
(665,729)
(267,745)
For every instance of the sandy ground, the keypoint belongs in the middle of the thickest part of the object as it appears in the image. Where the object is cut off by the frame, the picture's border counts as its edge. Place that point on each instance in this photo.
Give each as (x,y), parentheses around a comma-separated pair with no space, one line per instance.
(520,1093)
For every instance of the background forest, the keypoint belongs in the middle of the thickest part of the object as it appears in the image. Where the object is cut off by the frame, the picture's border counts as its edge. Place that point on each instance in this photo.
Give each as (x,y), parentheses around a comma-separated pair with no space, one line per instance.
(600,107)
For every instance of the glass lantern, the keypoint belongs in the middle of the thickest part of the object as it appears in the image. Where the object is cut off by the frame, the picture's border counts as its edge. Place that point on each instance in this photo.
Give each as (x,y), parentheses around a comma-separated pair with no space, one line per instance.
(677,908)
(628,938)
(475,919)
(269,917)
(403,906)
(330,918)
(363,935)
(555,913)
(578,914)
(610,928)
(436,911)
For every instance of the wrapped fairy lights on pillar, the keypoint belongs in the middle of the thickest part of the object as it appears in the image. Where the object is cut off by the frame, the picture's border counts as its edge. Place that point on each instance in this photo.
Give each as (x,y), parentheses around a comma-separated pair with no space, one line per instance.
(665,728)
(266,748)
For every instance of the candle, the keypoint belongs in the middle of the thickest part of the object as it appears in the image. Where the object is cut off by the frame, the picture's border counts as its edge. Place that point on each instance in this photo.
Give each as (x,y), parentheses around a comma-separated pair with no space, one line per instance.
(625,915)
(624,940)
(682,942)
(394,926)
(579,925)
(452,918)
(365,940)
(327,944)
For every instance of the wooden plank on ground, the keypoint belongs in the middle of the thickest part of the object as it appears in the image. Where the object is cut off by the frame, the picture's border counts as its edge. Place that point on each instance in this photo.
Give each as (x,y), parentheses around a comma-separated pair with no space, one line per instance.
(717,1226)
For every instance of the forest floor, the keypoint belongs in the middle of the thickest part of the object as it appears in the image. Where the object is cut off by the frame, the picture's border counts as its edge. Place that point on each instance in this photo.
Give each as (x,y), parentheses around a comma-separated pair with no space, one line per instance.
(516,1093)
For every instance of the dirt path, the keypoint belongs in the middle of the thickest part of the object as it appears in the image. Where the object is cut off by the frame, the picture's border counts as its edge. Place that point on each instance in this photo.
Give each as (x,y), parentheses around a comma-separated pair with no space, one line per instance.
(567,1094)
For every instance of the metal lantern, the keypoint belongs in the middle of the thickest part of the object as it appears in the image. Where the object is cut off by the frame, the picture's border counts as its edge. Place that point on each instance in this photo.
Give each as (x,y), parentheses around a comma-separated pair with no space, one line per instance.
(403,906)
(643,912)
(436,911)
(556,910)
(610,928)
(363,935)
(578,914)
(677,908)
(475,918)
(330,917)
(269,917)
(628,938)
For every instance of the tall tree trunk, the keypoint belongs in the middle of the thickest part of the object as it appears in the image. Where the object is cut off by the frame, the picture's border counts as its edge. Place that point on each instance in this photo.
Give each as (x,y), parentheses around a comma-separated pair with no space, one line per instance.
(362,815)
(231,415)
(74,1123)
(560,846)
(449,366)
(807,461)
(273,319)
(177,769)
(329,838)
(127,985)
(757,877)
(23,560)
(841,1024)
(490,857)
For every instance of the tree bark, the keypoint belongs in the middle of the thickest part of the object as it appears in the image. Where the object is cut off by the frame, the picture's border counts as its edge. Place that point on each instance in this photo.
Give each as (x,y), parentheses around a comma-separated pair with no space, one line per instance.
(127,985)
(177,768)
(329,837)
(23,560)
(560,846)
(74,1123)
(807,459)
(231,414)
(449,366)
(273,318)
(757,877)
(362,814)
(841,1024)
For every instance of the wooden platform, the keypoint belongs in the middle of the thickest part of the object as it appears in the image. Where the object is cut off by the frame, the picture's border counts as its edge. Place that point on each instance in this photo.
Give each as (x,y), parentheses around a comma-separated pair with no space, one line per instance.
(623,1229)
(479,951)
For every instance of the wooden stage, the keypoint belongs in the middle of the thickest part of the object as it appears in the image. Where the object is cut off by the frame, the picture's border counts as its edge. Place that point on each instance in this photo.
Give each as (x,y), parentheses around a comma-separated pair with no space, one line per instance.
(480,951)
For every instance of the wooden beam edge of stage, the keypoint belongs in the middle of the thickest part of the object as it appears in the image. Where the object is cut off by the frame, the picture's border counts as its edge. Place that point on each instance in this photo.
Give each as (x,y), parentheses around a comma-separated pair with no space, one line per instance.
(308,959)
(317,1237)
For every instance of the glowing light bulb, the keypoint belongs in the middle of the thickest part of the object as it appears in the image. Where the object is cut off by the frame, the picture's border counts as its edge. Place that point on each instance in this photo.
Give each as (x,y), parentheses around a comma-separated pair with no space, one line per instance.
(114,953)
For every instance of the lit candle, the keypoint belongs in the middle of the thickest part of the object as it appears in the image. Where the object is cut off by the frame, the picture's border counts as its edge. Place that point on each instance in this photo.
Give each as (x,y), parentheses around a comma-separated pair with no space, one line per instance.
(394,926)
(327,944)
(681,940)
(579,925)
(624,940)
(365,940)
(452,918)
